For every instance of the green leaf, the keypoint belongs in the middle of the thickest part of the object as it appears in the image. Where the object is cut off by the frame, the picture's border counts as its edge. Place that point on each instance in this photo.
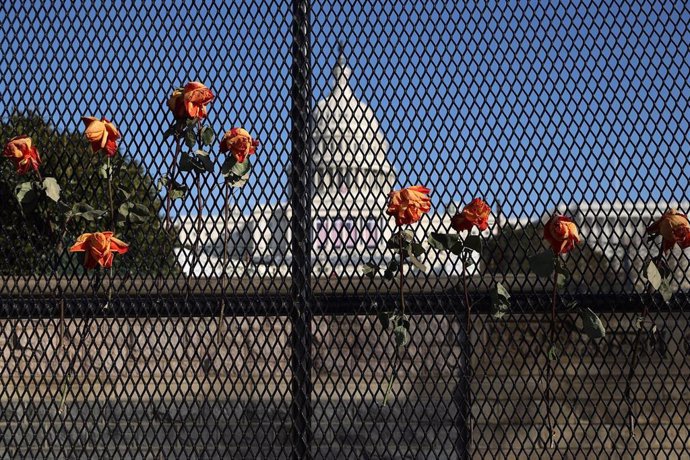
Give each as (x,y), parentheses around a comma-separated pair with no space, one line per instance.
(474,242)
(443,241)
(105,171)
(416,262)
(401,335)
(591,324)
(553,353)
(207,135)
(236,174)
(458,248)
(133,213)
(85,211)
(198,162)
(500,305)
(384,319)
(391,269)
(369,269)
(542,264)
(172,129)
(175,190)
(123,195)
(52,188)
(563,275)
(394,241)
(417,249)
(665,290)
(654,275)
(26,194)
(190,137)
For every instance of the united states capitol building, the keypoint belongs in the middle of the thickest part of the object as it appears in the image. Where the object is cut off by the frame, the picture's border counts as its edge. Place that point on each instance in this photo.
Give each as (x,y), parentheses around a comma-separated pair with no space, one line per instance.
(352,179)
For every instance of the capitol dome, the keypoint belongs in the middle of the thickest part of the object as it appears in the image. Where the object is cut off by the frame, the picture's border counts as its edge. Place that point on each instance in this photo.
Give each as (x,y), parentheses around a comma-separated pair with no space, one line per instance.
(349,150)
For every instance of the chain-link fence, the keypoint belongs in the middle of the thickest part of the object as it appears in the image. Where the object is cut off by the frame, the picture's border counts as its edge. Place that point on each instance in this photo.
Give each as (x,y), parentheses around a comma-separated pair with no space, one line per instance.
(240,323)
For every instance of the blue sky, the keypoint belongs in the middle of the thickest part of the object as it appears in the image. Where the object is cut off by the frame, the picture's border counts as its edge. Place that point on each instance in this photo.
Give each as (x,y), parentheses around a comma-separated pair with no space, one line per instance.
(526,105)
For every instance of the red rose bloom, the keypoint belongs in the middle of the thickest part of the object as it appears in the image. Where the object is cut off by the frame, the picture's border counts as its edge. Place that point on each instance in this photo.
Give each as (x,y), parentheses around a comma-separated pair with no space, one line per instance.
(240,143)
(475,214)
(561,234)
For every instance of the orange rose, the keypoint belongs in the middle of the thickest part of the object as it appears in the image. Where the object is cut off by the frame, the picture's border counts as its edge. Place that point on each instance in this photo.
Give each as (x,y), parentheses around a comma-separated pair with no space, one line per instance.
(240,143)
(102,134)
(196,96)
(561,233)
(176,104)
(408,205)
(674,228)
(23,154)
(99,248)
(475,214)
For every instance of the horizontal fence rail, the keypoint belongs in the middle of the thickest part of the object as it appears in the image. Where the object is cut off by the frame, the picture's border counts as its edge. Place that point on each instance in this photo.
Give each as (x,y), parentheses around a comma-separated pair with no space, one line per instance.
(266,292)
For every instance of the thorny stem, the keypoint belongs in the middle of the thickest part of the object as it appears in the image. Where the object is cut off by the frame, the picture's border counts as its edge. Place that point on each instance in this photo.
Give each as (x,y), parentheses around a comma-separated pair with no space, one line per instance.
(224,276)
(70,374)
(468,332)
(549,377)
(633,365)
(396,357)
(171,178)
(112,223)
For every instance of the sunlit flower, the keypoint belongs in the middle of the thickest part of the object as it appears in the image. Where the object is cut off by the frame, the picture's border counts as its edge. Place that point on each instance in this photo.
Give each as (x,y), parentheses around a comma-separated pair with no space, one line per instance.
(196,96)
(475,214)
(240,143)
(674,228)
(99,249)
(102,134)
(21,151)
(409,204)
(561,233)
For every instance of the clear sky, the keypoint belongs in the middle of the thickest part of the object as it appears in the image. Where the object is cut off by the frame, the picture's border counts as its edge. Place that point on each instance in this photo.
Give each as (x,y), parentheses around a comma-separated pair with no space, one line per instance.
(528,106)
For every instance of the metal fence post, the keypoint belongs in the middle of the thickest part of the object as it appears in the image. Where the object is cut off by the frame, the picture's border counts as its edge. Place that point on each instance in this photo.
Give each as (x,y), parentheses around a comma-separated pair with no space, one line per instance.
(300,223)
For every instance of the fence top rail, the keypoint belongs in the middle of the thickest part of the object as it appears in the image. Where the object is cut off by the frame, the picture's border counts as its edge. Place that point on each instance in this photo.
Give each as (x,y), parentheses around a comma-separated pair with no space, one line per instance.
(49,286)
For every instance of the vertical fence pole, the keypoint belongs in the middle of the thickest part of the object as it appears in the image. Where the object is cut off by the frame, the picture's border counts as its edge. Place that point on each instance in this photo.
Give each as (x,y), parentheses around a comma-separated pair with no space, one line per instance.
(300,223)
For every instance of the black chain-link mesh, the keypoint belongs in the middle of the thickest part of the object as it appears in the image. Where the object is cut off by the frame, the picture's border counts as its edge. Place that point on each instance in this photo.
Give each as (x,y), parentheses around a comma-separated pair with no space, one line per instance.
(580,107)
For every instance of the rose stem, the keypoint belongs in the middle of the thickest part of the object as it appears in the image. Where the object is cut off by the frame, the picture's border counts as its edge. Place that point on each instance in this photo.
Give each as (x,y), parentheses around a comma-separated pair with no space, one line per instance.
(468,333)
(552,339)
(171,178)
(402,314)
(112,223)
(633,366)
(224,276)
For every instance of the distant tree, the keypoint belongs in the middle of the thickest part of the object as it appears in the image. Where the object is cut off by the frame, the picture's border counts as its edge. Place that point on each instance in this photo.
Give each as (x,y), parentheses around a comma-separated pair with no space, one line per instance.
(28,240)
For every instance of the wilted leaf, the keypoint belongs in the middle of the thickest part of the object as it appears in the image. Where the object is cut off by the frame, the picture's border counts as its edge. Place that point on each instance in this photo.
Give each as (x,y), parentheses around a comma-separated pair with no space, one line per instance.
(175,190)
(26,194)
(500,305)
(442,241)
(591,324)
(665,290)
(384,319)
(236,174)
(391,269)
(416,262)
(542,264)
(133,213)
(474,242)
(563,275)
(401,335)
(369,269)
(553,353)
(198,162)
(105,171)
(85,211)
(654,275)
(207,135)
(52,188)
(417,249)
(190,137)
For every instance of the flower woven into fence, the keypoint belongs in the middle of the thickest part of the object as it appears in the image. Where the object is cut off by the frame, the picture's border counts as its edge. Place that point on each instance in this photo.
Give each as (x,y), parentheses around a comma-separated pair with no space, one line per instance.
(23,154)
(674,228)
(99,249)
(102,135)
